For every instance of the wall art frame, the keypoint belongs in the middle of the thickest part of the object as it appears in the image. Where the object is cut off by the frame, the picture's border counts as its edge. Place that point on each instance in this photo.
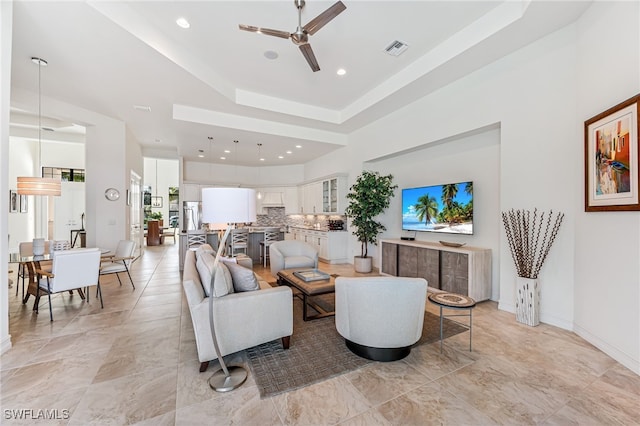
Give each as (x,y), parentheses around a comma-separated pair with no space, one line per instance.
(24,204)
(14,201)
(612,158)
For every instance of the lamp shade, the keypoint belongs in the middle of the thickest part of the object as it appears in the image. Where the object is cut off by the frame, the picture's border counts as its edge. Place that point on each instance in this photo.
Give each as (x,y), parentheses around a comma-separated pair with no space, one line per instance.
(228,205)
(28,185)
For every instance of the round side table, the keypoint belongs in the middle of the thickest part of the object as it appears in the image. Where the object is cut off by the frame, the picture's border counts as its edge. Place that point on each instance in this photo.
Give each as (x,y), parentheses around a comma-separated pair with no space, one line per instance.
(456,302)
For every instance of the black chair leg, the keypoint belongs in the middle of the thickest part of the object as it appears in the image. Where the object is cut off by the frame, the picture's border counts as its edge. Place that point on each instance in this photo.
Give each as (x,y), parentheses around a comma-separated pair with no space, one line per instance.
(130,279)
(118,275)
(49,295)
(99,292)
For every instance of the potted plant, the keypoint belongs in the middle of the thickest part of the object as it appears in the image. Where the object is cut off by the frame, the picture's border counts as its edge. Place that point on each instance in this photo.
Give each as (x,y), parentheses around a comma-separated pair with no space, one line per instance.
(369,196)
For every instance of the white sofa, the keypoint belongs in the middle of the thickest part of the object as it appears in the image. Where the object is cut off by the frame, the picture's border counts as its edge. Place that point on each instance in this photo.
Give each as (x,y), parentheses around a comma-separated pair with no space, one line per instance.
(242,319)
(380,317)
(289,254)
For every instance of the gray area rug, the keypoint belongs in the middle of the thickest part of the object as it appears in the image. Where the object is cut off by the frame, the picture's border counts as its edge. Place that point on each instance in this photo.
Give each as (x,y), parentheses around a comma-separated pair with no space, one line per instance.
(317,352)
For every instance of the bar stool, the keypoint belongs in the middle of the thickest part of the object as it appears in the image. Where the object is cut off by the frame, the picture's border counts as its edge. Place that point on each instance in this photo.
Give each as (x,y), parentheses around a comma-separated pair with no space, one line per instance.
(270,235)
(456,302)
(239,240)
(196,238)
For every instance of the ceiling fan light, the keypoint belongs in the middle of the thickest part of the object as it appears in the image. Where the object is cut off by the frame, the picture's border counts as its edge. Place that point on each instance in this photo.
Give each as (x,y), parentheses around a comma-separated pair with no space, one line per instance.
(341,71)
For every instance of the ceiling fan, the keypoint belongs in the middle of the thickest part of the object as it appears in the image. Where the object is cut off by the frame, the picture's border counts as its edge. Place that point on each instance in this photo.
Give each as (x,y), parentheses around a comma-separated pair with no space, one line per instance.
(301,36)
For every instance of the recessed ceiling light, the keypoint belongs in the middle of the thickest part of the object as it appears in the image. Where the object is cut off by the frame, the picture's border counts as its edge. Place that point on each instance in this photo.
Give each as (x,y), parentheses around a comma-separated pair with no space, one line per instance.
(341,71)
(298,146)
(288,152)
(200,155)
(270,54)
(183,23)
(158,140)
(144,108)
(280,157)
(262,159)
(226,151)
(223,158)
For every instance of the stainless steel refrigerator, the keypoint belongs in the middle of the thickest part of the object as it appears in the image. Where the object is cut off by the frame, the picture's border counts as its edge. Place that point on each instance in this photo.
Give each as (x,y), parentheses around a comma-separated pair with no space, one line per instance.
(191,215)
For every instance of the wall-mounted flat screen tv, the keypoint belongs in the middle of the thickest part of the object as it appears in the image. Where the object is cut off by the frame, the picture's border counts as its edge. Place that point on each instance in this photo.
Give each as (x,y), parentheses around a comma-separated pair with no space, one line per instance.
(439,208)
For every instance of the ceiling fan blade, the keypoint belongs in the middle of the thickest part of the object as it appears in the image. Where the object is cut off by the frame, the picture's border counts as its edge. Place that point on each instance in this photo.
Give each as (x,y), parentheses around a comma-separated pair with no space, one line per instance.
(309,56)
(323,19)
(266,31)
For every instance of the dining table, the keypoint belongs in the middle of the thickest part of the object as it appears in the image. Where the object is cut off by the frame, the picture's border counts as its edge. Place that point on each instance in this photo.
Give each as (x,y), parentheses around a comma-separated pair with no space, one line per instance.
(32,263)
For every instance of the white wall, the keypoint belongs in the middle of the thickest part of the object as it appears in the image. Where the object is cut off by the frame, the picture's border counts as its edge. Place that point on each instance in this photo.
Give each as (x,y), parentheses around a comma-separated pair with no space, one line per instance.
(541,96)
(467,158)
(23,155)
(198,172)
(6,27)
(607,256)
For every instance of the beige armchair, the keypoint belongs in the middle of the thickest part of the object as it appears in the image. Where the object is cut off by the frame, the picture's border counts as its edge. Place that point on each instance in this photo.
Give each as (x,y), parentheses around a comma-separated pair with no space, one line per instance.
(290,254)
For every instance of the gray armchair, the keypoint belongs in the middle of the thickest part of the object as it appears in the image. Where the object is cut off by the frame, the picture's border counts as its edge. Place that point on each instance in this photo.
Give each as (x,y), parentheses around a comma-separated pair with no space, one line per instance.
(380,317)
(291,254)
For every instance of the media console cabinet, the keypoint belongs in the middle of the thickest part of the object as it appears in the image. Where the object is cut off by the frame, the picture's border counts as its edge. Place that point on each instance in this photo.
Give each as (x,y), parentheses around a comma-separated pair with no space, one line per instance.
(463,270)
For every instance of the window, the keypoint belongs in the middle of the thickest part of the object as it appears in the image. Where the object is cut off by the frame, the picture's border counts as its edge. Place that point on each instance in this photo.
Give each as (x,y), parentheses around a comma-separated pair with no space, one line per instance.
(64,174)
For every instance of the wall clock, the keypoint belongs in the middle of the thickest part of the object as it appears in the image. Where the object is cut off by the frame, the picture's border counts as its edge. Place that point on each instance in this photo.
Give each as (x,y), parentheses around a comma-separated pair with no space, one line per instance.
(111,194)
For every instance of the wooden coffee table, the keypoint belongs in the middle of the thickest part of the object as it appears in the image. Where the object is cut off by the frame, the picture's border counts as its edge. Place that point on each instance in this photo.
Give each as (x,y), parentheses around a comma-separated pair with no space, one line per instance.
(307,290)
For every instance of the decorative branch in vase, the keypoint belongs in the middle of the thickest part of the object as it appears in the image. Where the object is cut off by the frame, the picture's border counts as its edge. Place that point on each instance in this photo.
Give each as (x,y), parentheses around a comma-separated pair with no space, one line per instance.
(529,247)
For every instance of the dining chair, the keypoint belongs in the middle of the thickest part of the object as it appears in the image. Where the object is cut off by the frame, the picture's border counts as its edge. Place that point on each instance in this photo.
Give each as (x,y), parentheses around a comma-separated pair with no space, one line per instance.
(171,233)
(239,240)
(70,270)
(26,249)
(271,234)
(120,261)
(196,238)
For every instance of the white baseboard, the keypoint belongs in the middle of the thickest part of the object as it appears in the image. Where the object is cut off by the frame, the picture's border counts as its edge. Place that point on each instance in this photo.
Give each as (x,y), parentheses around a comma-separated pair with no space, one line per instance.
(5,345)
(620,356)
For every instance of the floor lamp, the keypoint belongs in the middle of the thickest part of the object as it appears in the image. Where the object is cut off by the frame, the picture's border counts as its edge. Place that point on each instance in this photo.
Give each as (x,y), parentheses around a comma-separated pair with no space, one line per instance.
(226,205)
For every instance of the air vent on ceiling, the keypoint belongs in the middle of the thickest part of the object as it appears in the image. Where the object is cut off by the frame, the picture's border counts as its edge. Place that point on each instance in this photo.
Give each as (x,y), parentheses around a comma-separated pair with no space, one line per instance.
(396,48)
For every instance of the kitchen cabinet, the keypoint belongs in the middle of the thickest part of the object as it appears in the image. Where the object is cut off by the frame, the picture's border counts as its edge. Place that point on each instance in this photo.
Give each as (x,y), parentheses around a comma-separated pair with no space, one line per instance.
(331,245)
(312,198)
(334,195)
(327,196)
(462,270)
(291,200)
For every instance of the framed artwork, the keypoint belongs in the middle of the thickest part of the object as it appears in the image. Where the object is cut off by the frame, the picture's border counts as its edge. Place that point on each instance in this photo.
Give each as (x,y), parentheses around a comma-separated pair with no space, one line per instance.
(611,158)
(14,202)
(128,197)
(156,202)
(23,204)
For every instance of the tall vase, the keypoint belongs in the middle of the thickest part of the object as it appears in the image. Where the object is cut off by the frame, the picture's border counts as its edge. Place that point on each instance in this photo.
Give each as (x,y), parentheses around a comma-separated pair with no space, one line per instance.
(527,301)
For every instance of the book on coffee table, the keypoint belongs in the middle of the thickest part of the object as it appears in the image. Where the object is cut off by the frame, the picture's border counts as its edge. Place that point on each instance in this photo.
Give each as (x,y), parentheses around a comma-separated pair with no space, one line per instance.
(311,275)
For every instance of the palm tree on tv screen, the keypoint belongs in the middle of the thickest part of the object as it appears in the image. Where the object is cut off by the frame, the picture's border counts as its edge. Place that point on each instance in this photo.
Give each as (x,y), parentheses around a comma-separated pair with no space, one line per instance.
(426,208)
(449,192)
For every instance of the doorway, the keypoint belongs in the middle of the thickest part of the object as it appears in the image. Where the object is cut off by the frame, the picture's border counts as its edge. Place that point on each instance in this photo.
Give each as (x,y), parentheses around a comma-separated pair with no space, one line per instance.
(134,199)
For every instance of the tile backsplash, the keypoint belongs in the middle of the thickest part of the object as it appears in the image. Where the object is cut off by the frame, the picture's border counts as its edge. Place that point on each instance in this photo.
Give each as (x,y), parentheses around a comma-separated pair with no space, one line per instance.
(276,216)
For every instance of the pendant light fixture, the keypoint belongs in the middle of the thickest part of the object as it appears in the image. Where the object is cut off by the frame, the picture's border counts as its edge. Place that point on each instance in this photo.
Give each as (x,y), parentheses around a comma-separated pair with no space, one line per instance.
(259,195)
(28,185)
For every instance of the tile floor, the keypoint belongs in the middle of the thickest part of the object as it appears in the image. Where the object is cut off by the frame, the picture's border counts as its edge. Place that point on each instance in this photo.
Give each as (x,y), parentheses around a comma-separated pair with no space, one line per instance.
(135,362)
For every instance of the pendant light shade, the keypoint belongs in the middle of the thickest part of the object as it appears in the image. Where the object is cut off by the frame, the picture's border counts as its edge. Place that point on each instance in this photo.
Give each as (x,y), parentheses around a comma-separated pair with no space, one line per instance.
(38,186)
(33,185)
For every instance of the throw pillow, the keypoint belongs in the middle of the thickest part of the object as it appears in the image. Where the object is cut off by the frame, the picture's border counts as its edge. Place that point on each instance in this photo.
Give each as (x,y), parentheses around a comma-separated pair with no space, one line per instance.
(204,265)
(222,282)
(205,248)
(243,279)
